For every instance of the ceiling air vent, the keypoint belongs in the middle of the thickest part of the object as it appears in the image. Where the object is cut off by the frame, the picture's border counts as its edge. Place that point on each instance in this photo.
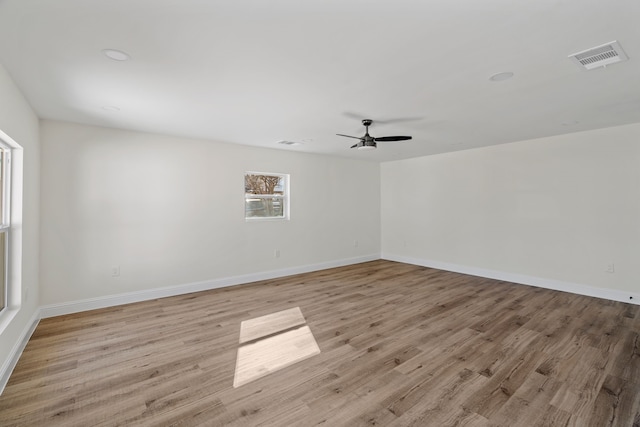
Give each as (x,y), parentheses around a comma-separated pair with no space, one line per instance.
(600,56)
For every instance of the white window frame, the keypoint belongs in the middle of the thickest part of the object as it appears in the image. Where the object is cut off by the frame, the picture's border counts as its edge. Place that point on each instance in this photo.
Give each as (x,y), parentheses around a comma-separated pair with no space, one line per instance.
(285,197)
(13,195)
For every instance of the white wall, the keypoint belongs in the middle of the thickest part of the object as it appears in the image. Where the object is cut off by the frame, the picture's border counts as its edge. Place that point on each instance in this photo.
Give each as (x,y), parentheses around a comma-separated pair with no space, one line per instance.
(170,211)
(19,122)
(559,209)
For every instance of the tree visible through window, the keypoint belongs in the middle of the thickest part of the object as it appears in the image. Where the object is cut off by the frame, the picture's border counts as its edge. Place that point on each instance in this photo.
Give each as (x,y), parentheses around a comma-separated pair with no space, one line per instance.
(266,195)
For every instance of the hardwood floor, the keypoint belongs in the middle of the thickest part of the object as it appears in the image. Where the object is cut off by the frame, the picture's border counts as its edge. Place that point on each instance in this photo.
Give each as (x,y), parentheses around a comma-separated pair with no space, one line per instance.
(401,345)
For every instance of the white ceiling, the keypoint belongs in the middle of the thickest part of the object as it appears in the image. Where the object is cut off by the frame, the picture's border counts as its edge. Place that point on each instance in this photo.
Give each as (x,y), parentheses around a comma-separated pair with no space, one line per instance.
(256,72)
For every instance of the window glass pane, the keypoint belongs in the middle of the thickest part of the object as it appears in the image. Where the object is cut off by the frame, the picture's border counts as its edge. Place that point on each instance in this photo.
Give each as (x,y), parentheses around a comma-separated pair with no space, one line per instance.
(263,184)
(2,206)
(264,207)
(3,274)
(5,292)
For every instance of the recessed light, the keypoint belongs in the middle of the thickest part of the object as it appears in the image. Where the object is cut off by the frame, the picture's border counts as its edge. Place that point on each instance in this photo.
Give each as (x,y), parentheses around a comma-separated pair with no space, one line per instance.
(501,76)
(111,108)
(283,142)
(116,55)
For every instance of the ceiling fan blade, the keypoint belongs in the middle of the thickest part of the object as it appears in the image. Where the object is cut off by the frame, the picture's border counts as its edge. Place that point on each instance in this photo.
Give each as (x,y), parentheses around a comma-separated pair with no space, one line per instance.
(349,136)
(360,117)
(354,146)
(400,120)
(353,115)
(392,138)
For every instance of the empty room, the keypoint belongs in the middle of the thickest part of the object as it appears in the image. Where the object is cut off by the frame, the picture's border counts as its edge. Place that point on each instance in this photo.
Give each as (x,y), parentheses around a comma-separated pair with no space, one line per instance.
(335,213)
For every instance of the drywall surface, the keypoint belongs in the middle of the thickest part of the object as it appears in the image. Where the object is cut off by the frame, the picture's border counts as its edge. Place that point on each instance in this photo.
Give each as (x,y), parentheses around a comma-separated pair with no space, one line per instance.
(19,122)
(169,211)
(564,208)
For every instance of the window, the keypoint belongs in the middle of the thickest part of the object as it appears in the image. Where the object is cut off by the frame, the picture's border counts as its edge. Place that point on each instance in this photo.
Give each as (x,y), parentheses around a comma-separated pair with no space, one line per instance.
(11,173)
(5,174)
(266,195)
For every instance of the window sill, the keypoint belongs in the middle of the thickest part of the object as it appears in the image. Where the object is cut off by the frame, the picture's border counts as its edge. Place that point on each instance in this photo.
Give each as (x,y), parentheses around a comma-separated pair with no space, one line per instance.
(258,219)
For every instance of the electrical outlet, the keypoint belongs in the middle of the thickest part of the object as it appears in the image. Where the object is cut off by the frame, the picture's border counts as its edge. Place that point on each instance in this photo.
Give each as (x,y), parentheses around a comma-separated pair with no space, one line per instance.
(355,243)
(115,271)
(277,253)
(611,268)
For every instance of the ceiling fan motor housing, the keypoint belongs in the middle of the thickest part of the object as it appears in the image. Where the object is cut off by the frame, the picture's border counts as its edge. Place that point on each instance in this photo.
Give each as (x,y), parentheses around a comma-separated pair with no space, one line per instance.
(367,145)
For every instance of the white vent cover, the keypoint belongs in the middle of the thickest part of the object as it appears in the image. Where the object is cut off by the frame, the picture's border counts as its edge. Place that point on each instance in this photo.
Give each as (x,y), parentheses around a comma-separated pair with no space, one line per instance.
(600,56)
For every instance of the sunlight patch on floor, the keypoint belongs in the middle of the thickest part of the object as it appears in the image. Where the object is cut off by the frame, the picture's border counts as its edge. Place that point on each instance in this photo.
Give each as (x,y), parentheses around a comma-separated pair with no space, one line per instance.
(262,326)
(272,342)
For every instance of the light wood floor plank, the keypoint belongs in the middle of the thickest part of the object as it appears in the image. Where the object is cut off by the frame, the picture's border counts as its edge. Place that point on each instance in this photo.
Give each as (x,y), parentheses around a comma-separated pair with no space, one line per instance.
(400,345)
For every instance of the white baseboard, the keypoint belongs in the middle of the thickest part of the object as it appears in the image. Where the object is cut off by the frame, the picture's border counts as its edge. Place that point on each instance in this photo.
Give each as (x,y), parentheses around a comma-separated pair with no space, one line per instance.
(131,297)
(12,360)
(557,285)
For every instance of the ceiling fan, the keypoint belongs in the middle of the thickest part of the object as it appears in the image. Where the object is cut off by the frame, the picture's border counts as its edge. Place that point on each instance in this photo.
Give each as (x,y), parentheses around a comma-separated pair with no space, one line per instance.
(368,142)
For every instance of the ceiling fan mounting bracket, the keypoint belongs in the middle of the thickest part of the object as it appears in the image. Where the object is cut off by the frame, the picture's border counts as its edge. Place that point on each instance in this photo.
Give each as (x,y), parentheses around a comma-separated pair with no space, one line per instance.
(367,122)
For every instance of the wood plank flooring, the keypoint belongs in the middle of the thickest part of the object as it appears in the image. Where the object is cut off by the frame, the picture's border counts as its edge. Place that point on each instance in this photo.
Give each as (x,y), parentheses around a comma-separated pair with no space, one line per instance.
(401,345)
